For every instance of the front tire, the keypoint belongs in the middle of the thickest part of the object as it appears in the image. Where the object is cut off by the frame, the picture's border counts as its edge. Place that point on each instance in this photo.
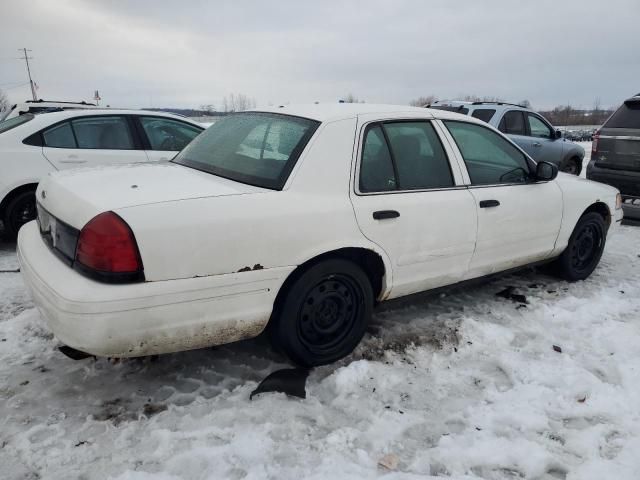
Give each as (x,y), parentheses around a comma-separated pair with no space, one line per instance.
(323,314)
(20,210)
(585,248)
(573,166)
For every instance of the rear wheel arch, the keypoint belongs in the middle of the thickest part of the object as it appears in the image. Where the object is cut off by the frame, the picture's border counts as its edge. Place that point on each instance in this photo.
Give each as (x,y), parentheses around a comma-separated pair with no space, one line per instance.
(368,260)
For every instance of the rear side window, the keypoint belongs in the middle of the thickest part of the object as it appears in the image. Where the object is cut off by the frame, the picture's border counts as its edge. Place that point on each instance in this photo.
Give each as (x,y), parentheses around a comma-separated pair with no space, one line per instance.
(627,116)
(376,170)
(512,123)
(167,134)
(14,122)
(105,133)
(403,156)
(490,158)
(484,114)
(60,136)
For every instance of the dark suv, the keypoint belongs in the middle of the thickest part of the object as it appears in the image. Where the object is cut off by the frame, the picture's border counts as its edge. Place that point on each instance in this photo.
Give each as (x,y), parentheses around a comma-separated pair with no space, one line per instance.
(615,155)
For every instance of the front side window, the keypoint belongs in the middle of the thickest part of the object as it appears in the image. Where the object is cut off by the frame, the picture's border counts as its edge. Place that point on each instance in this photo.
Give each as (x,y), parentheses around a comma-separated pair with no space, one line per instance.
(251,147)
(512,123)
(168,135)
(105,133)
(59,136)
(490,159)
(484,114)
(404,155)
(537,127)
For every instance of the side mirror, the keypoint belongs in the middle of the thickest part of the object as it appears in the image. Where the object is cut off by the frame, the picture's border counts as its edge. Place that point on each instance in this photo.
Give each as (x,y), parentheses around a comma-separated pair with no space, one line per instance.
(546,171)
(558,134)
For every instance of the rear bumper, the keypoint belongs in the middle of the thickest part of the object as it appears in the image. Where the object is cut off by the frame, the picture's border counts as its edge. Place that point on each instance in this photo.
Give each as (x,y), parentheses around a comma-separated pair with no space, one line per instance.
(145,318)
(628,182)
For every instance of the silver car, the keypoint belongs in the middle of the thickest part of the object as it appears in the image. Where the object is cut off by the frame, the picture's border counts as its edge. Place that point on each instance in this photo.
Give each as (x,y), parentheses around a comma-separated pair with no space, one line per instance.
(531,131)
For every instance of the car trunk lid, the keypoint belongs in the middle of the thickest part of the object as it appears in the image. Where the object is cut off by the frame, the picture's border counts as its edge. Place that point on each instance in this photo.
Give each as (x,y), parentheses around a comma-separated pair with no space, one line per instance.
(76,196)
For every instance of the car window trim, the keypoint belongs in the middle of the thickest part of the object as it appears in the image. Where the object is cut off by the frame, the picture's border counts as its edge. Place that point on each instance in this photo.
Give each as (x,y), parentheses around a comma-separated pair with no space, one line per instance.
(370,125)
(134,137)
(530,162)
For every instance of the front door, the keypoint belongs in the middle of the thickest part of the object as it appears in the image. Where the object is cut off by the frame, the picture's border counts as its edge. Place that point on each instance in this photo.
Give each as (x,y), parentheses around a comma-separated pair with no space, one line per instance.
(409,200)
(518,218)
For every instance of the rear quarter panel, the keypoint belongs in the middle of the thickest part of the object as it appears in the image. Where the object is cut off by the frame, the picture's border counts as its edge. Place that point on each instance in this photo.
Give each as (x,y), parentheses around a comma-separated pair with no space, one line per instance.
(218,235)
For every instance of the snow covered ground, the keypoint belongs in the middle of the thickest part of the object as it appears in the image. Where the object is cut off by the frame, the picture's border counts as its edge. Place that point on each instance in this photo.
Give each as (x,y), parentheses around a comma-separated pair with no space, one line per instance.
(465,384)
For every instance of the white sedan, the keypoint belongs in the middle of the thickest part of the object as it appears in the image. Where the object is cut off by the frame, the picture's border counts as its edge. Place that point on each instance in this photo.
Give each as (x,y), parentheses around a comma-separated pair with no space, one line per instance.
(32,145)
(299,219)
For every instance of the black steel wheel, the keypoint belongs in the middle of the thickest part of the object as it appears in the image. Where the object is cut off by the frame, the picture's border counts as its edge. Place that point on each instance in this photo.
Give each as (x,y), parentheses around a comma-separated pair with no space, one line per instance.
(585,248)
(323,314)
(20,210)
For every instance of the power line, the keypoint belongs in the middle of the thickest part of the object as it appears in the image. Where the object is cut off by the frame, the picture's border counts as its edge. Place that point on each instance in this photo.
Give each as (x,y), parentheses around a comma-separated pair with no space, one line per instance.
(26,58)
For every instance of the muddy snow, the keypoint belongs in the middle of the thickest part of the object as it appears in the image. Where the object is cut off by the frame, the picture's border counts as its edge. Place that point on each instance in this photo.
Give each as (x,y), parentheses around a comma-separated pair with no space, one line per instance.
(540,382)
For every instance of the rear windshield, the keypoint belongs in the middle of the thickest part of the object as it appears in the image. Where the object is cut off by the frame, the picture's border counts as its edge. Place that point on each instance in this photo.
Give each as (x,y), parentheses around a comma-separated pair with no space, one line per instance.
(451,109)
(627,116)
(14,122)
(252,147)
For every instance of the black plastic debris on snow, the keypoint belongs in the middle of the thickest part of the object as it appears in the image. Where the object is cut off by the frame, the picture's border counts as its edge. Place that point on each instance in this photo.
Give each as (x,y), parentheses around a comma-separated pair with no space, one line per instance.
(291,381)
(509,294)
(72,353)
(15,270)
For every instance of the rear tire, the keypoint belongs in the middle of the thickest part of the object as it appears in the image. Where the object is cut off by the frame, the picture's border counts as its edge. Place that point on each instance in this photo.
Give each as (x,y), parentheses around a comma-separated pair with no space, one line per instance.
(323,314)
(584,249)
(20,210)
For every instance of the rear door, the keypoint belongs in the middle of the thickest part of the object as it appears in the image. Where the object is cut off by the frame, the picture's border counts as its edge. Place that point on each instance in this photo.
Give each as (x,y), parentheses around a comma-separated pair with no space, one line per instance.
(518,219)
(92,140)
(409,199)
(164,137)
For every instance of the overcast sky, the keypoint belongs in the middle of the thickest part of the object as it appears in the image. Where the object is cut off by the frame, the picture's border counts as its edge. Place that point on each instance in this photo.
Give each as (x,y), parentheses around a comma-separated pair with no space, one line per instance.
(187,53)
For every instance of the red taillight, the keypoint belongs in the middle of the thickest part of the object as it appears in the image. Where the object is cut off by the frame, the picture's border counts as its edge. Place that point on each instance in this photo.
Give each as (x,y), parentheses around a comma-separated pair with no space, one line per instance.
(106,244)
(594,143)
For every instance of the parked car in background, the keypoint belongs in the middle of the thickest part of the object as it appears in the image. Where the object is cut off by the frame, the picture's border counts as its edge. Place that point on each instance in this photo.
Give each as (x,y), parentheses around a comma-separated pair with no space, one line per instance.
(615,155)
(32,145)
(531,131)
(273,218)
(43,106)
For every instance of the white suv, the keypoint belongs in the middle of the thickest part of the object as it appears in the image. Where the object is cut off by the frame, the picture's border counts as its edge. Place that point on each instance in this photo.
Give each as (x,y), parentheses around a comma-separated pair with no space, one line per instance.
(32,145)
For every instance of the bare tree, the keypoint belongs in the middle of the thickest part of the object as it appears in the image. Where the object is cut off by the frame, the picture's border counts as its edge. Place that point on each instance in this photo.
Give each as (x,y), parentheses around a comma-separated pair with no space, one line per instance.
(597,105)
(237,102)
(351,98)
(422,101)
(4,103)
(208,108)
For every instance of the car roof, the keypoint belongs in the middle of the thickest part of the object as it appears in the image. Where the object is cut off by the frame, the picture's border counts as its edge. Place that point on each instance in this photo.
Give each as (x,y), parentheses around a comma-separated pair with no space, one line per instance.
(324,112)
(48,118)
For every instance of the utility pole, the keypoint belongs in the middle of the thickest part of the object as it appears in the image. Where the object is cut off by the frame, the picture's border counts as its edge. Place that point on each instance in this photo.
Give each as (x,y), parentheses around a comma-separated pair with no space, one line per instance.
(26,59)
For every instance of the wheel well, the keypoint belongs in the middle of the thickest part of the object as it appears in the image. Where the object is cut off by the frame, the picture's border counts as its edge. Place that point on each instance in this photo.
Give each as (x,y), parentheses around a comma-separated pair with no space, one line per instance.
(370,262)
(602,209)
(13,193)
